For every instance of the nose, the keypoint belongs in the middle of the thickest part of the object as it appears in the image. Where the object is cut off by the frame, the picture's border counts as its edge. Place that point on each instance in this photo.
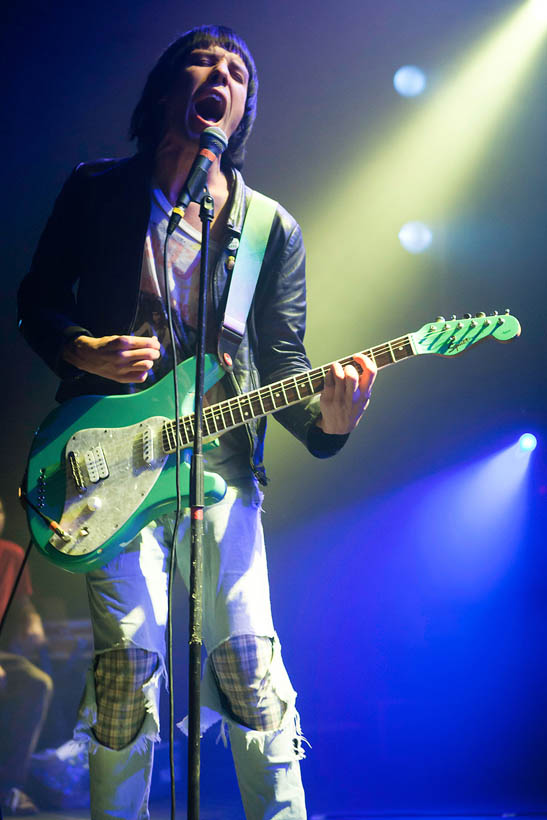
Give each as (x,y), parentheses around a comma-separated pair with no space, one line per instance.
(220,72)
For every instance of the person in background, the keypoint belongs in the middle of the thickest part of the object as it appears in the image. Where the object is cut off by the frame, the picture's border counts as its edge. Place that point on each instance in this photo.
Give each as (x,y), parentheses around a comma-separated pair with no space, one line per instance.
(25,690)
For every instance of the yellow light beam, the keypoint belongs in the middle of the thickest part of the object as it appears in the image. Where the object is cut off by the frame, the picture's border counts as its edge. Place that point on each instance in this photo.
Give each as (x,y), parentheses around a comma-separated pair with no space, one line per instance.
(419,173)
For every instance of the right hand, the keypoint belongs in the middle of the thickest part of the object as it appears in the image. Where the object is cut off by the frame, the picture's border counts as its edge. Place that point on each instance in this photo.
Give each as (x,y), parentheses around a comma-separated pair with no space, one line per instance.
(124,359)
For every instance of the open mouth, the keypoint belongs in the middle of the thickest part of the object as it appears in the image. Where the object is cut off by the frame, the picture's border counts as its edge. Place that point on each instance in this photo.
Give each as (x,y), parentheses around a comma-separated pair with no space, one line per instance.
(210,108)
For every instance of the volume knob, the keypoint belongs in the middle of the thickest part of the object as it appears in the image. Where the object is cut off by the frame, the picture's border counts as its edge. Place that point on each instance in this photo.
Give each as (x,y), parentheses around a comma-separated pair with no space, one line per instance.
(94,504)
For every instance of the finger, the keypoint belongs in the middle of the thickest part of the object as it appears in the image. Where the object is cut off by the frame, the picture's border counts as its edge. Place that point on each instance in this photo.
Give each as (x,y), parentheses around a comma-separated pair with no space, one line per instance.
(368,370)
(135,342)
(338,382)
(351,382)
(139,353)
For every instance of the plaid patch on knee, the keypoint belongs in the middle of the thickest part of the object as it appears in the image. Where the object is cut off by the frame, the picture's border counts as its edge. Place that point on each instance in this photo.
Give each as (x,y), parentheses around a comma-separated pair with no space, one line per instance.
(242,665)
(119,678)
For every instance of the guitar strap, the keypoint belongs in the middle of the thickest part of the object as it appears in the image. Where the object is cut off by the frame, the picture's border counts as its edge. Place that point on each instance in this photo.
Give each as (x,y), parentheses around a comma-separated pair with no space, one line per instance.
(245,271)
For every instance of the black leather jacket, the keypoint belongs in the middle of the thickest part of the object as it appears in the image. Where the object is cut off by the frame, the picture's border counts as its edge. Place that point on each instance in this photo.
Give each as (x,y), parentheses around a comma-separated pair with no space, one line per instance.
(85,277)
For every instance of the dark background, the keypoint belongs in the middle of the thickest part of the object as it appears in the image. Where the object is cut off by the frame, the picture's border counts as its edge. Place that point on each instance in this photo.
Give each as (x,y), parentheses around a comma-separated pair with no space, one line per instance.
(408,574)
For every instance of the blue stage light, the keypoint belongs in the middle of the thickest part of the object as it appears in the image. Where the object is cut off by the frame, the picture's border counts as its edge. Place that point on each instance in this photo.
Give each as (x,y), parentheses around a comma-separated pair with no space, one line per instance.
(528,442)
(415,237)
(409,81)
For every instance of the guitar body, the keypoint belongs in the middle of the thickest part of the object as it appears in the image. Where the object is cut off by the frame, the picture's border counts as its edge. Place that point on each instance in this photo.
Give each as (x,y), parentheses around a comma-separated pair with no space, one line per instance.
(97,467)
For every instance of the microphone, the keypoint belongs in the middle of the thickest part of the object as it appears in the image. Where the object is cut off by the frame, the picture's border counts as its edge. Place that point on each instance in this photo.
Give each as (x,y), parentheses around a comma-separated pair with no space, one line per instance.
(212,142)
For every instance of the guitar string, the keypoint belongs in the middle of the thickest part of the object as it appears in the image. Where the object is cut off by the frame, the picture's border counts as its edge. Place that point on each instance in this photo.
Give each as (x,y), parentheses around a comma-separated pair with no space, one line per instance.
(216,414)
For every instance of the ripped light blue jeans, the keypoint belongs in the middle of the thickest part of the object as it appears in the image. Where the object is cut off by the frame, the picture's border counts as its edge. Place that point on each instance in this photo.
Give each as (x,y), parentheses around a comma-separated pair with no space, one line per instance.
(128,603)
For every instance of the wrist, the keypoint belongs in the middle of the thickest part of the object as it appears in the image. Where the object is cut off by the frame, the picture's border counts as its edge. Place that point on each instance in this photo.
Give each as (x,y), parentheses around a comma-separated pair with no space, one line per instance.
(73,349)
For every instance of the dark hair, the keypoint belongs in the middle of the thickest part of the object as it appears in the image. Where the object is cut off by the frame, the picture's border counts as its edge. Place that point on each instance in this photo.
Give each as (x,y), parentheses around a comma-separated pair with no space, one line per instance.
(147,120)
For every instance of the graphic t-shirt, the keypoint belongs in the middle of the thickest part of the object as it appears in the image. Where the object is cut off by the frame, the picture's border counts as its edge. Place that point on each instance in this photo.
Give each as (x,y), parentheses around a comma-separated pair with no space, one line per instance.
(230,459)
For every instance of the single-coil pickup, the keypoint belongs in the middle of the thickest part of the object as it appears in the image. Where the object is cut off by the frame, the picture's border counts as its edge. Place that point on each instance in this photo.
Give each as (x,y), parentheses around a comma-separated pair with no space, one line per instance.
(96,464)
(147,445)
(75,471)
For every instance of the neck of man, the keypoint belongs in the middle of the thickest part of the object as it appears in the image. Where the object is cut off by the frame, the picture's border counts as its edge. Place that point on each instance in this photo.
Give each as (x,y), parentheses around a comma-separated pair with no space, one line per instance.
(174,159)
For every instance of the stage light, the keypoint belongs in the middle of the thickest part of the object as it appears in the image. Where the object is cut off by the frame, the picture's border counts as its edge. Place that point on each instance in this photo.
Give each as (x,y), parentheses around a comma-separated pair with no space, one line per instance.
(420,165)
(415,237)
(409,81)
(528,442)
(539,9)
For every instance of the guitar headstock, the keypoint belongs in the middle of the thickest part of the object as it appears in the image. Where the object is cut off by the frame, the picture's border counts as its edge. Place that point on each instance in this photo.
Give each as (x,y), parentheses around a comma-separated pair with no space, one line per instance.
(449,337)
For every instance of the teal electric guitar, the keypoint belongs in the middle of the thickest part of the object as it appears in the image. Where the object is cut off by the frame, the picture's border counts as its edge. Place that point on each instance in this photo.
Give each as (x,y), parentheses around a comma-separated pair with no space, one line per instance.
(102,467)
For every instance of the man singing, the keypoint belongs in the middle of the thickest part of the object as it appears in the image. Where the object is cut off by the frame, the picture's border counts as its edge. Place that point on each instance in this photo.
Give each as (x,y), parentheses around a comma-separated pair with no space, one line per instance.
(93,306)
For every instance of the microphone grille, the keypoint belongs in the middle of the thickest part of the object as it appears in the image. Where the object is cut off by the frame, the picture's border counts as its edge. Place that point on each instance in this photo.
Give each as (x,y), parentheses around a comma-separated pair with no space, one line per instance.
(214,139)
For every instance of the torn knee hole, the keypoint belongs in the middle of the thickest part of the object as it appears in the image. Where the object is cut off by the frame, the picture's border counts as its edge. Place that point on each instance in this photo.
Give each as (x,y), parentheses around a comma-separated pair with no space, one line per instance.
(120,676)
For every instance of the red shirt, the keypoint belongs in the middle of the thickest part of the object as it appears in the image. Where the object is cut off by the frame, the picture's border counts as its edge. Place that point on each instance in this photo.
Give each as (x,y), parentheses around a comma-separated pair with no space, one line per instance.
(11,558)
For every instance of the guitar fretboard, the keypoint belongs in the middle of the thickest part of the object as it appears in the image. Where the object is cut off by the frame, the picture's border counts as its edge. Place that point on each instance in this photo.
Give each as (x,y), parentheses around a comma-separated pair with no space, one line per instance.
(230,413)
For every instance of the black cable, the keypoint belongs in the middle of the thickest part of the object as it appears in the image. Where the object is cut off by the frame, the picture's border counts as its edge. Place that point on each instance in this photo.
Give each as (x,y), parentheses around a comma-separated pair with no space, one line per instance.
(172,556)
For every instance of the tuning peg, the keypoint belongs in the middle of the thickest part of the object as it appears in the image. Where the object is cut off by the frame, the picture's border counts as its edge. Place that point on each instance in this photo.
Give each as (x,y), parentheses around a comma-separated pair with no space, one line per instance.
(494,312)
(466,315)
(480,314)
(440,319)
(507,311)
(453,316)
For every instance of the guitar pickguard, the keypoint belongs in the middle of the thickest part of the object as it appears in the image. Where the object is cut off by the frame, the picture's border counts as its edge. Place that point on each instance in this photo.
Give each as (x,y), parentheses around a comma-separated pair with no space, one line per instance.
(109,473)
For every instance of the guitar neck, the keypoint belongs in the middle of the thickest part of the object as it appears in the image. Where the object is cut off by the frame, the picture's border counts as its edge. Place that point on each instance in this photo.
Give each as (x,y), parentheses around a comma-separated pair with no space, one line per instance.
(225,415)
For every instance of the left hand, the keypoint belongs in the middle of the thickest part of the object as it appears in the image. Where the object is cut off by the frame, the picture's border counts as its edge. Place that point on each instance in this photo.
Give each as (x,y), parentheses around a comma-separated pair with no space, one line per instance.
(346,395)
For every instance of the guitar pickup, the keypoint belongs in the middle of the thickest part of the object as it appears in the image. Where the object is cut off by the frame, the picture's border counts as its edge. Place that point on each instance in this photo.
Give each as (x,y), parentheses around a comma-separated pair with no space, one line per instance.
(147,446)
(95,462)
(76,472)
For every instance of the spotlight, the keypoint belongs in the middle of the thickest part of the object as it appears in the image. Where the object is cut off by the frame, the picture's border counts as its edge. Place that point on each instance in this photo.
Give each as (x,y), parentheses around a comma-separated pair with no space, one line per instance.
(528,442)
(409,81)
(415,237)
(539,9)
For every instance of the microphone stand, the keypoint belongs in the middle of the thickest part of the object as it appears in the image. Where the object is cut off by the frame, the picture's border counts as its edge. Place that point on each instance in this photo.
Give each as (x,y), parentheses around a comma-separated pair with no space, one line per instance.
(197,503)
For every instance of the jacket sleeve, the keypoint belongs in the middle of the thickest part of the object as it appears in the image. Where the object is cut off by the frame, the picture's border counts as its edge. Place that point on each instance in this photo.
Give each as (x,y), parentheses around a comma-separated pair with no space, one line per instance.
(280,315)
(47,312)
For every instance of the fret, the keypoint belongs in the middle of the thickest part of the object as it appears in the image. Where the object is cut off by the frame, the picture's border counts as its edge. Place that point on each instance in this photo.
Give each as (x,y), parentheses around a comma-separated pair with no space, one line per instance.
(168,440)
(296,388)
(259,396)
(310,382)
(282,386)
(391,353)
(275,396)
(188,427)
(270,391)
(248,410)
(209,422)
(402,348)
(219,419)
(267,399)
(231,415)
(300,386)
(235,410)
(254,401)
